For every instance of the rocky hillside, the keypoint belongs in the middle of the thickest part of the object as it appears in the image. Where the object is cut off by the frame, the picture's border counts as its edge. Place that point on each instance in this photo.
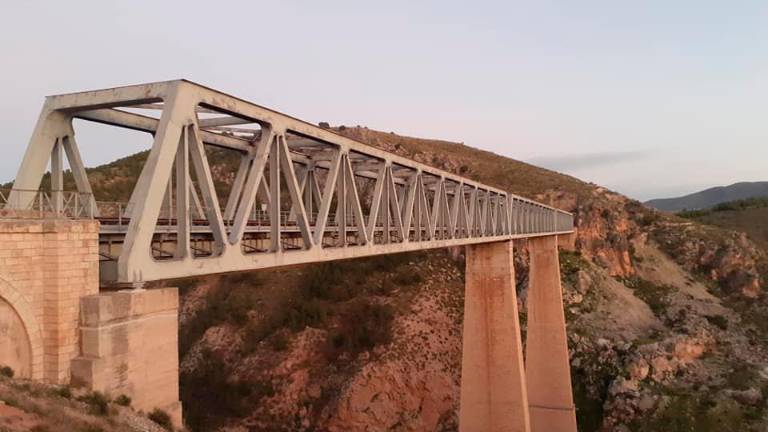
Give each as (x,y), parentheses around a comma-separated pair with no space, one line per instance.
(27,406)
(712,197)
(747,216)
(666,321)
(666,317)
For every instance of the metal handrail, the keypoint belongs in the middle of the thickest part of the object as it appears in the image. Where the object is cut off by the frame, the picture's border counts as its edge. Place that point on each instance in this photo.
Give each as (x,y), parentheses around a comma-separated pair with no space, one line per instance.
(47,203)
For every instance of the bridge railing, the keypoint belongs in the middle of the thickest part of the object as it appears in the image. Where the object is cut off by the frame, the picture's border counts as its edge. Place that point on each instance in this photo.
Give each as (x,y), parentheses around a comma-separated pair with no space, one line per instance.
(48,203)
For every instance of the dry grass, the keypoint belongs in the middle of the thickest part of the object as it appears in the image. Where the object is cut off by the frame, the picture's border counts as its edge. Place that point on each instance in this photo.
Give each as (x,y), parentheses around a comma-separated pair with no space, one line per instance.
(29,406)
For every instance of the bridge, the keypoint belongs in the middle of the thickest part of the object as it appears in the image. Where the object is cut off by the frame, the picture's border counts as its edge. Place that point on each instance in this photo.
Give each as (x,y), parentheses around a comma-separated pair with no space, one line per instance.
(299,194)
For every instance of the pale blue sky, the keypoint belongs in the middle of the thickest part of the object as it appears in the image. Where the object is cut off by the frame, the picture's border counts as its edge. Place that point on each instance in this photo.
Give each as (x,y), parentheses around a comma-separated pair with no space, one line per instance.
(652,99)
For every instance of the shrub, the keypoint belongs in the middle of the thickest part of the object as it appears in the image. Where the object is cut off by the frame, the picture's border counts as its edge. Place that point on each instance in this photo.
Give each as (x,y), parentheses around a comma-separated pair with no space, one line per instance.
(718,321)
(408,276)
(648,218)
(279,341)
(6,371)
(363,326)
(123,400)
(225,303)
(571,263)
(210,396)
(63,391)
(693,214)
(161,418)
(98,404)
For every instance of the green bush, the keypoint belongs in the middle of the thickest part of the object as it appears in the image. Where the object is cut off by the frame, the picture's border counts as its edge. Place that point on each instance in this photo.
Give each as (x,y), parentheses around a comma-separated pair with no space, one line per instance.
(161,418)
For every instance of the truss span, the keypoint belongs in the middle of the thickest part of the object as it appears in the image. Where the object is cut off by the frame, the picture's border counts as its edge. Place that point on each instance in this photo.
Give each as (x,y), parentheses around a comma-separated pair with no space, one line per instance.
(299,193)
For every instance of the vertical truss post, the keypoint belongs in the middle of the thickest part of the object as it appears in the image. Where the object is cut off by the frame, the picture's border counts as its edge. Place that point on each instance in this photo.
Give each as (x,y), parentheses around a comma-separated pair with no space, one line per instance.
(183,186)
(274,192)
(149,190)
(57,177)
(341,202)
(394,208)
(408,208)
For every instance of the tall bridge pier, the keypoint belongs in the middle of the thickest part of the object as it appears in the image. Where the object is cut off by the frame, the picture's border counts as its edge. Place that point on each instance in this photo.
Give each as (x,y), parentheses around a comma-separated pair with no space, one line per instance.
(301,194)
(502,389)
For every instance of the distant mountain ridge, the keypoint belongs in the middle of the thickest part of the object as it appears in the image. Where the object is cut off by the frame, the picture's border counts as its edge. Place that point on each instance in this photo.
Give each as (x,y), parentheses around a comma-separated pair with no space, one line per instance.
(712,196)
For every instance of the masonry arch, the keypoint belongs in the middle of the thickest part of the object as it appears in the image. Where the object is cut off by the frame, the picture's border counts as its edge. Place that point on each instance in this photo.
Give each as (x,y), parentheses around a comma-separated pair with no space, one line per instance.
(20,337)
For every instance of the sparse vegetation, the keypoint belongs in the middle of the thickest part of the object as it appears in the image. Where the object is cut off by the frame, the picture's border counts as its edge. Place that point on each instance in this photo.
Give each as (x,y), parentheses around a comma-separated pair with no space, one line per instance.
(63,391)
(718,321)
(656,296)
(363,325)
(123,400)
(161,418)
(98,403)
(231,302)
(210,393)
(570,264)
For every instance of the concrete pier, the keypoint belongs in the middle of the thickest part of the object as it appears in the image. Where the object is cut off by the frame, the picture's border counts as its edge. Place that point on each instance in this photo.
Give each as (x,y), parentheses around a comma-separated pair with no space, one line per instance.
(493,390)
(548,373)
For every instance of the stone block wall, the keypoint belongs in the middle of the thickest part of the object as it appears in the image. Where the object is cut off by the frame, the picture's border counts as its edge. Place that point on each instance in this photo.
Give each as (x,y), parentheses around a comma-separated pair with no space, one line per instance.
(130,346)
(46,265)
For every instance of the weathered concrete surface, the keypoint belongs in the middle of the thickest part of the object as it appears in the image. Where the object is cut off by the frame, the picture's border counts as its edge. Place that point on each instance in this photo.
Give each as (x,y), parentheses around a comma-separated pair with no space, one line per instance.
(493,390)
(567,241)
(130,346)
(15,348)
(46,265)
(548,374)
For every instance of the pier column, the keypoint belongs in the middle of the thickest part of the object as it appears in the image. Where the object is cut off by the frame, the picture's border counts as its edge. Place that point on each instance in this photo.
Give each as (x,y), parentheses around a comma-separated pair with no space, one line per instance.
(548,373)
(493,390)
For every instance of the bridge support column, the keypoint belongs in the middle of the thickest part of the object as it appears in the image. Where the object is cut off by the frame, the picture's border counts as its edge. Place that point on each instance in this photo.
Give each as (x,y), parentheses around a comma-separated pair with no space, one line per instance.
(130,346)
(493,390)
(548,373)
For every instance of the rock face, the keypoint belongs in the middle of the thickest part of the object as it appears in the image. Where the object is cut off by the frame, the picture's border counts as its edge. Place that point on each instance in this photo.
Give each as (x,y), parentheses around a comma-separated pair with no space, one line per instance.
(414,385)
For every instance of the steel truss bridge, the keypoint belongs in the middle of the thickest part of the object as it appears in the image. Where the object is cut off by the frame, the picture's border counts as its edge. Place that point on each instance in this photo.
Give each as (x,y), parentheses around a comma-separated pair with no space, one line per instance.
(301,193)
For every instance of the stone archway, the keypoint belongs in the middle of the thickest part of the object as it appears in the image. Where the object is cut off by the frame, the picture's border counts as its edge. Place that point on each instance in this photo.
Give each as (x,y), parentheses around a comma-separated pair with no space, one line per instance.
(20,343)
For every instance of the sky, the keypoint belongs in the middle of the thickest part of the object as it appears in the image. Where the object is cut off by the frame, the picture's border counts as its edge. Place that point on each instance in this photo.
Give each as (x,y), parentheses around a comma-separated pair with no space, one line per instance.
(649,98)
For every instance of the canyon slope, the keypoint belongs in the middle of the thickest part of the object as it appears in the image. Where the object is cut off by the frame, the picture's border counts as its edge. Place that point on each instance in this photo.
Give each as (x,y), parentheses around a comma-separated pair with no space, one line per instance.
(667,319)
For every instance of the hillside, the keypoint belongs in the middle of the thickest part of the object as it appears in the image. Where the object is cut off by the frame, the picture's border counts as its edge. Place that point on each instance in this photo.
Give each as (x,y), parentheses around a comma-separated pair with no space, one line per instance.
(27,406)
(666,323)
(666,320)
(711,197)
(747,216)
